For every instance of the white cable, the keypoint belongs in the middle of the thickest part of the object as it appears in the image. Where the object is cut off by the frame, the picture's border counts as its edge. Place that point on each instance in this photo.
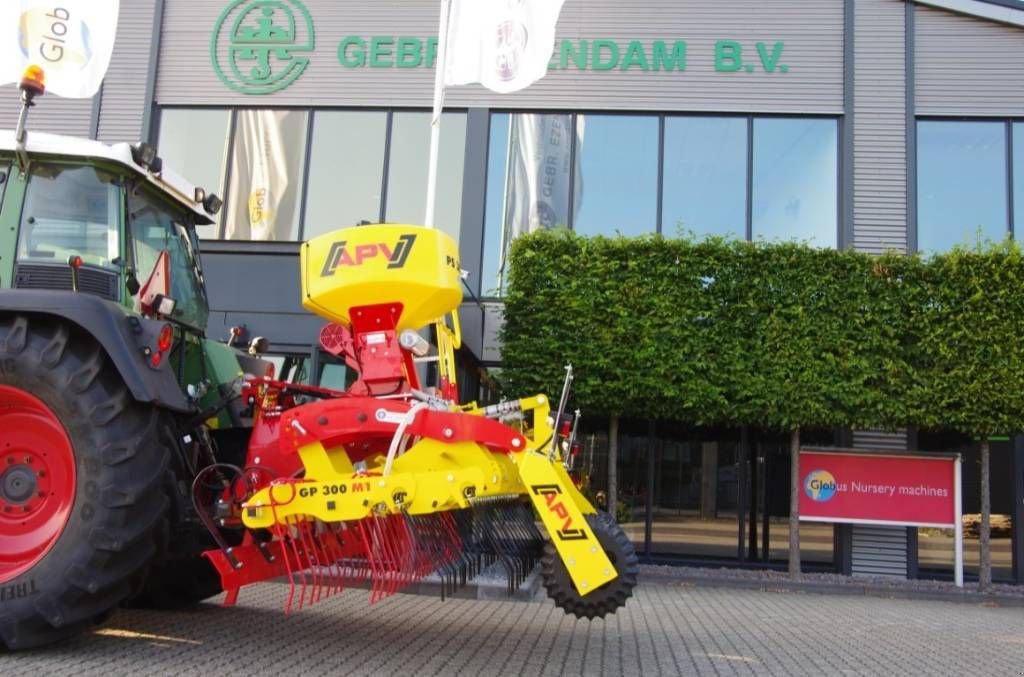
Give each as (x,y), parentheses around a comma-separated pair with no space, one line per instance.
(400,432)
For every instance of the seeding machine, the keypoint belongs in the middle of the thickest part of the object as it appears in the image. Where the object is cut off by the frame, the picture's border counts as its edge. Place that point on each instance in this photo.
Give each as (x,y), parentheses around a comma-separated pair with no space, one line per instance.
(391,481)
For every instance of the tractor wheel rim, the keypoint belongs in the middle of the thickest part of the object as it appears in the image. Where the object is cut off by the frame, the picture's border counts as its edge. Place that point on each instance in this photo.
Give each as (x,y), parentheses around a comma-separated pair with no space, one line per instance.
(37,481)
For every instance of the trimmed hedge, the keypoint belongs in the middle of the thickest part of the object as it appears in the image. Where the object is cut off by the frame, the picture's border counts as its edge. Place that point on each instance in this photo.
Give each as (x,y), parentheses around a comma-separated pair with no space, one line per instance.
(721,332)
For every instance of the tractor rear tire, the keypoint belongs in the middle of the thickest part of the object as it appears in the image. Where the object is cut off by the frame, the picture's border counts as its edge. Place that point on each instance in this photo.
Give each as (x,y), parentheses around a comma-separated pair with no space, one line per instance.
(610,596)
(178,584)
(81,501)
(180,576)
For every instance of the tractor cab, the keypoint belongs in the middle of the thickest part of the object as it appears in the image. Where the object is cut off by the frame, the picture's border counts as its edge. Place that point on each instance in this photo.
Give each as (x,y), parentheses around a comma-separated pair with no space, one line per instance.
(82,216)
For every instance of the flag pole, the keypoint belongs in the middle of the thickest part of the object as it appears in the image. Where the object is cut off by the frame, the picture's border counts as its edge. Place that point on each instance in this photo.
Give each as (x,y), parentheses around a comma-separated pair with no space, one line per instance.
(435,118)
(505,220)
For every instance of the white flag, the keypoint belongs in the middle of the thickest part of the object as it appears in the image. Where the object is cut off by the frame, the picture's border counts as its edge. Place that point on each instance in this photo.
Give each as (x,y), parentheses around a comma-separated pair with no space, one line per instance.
(71,40)
(505,45)
(264,193)
(542,165)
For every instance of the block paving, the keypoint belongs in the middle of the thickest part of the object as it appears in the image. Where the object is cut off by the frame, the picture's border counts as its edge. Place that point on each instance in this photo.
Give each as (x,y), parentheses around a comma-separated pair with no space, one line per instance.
(669,628)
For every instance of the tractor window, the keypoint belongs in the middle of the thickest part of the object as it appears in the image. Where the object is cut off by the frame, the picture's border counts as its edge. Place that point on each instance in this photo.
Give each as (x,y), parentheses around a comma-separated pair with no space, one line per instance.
(70,210)
(156,227)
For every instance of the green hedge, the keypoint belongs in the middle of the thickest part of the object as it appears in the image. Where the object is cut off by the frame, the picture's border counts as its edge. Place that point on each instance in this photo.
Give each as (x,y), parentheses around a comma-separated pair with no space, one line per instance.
(772,335)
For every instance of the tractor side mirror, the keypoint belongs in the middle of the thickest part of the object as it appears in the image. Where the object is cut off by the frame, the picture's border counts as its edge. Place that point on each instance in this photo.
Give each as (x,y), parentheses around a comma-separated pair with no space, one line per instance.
(131,283)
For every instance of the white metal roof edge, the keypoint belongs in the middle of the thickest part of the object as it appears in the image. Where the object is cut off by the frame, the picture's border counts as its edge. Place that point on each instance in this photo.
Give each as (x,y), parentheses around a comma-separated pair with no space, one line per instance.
(981,9)
(168,181)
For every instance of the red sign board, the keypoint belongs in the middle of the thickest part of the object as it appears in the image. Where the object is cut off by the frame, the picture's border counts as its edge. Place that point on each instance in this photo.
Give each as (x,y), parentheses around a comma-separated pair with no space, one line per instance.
(878,488)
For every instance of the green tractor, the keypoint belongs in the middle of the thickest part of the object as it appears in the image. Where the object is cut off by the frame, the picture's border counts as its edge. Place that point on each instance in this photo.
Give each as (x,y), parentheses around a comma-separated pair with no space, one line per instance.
(111,396)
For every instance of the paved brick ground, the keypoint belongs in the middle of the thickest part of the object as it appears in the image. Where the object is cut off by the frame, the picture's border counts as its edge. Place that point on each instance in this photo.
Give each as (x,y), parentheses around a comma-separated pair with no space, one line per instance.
(667,629)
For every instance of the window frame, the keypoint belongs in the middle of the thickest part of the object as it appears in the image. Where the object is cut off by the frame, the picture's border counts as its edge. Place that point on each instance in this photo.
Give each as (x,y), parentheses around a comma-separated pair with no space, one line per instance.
(840,227)
(140,191)
(116,191)
(311,112)
(1008,122)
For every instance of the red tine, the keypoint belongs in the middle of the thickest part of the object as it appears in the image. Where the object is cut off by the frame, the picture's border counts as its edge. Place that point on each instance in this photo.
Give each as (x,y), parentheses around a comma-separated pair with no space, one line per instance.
(281,535)
(367,529)
(331,544)
(328,559)
(305,532)
(293,545)
(390,555)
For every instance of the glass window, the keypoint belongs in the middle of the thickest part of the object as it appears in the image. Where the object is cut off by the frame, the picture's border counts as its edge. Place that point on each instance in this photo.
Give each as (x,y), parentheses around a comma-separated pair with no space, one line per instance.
(961,183)
(617,186)
(334,376)
(1018,179)
(705,177)
(528,175)
(290,368)
(267,161)
(796,176)
(407,170)
(155,228)
(346,170)
(194,143)
(71,210)
(935,547)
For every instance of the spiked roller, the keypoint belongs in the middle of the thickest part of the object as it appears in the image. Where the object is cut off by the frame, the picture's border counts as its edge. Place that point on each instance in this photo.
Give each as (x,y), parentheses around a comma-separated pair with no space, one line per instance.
(391,481)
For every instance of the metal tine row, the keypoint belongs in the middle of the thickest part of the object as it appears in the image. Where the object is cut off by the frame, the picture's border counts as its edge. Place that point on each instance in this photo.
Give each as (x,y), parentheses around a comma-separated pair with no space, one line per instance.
(320,559)
(524,538)
(390,554)
(353,566)
(437,546)
(468,559)
(457,555)
(294,560)
(377,553)
(511,533)
(393,551)
(338,558)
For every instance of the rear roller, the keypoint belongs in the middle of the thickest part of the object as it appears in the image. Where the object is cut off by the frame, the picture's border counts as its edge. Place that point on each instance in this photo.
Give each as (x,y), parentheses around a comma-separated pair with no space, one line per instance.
(610,596)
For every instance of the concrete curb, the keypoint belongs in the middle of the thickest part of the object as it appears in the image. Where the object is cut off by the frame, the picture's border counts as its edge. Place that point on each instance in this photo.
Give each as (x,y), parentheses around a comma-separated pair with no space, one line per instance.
(823,588)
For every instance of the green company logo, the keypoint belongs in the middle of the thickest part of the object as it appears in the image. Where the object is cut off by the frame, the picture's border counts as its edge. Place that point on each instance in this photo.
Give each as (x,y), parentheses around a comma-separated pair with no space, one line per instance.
(254,44)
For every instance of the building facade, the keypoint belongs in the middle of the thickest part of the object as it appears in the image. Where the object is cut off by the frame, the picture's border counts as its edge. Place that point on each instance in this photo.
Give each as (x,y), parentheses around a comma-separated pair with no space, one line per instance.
(871,124)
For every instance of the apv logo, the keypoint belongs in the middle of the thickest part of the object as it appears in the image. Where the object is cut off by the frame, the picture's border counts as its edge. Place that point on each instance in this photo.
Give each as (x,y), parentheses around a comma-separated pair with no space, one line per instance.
(342,255)
(254,42)
(552,494)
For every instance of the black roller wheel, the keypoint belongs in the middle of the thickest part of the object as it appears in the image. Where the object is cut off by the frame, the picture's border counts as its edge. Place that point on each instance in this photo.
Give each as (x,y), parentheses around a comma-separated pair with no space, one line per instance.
(610,596)
(81,502)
